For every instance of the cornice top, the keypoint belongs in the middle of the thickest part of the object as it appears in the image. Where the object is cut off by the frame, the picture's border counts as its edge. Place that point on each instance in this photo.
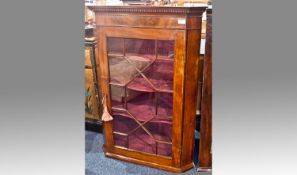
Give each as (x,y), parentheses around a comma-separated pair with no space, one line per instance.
(148,9)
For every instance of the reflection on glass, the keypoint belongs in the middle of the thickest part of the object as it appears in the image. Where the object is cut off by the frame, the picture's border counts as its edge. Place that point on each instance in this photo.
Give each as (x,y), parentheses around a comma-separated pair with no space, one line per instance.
(141,84)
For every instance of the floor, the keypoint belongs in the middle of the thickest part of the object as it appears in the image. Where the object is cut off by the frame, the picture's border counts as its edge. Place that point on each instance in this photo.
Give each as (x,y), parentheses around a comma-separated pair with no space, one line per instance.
(97,164)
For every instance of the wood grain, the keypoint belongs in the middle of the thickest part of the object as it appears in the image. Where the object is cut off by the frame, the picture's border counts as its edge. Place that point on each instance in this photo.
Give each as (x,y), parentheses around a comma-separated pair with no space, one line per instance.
(205,157)
(178,96)
(190,99)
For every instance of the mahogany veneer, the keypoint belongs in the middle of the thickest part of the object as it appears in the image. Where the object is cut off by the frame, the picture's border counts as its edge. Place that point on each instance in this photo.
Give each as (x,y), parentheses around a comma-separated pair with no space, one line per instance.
(149,59)
(205,156)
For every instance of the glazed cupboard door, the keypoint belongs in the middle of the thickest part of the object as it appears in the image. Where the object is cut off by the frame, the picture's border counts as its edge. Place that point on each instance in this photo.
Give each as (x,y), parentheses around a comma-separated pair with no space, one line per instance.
(141,82)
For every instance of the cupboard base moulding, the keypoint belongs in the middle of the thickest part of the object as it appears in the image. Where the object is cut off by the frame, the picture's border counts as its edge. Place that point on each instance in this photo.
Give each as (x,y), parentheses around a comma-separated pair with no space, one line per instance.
(150,164)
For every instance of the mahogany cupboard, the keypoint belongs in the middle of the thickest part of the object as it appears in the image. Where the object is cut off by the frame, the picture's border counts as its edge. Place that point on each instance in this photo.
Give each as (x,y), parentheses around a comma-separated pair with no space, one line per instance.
(149,59)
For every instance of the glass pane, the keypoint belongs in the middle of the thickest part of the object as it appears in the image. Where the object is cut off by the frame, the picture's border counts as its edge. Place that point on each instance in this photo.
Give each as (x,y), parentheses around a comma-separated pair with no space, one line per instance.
(115,46)
(162,132)
(140,47)
(141,85)
(165,49)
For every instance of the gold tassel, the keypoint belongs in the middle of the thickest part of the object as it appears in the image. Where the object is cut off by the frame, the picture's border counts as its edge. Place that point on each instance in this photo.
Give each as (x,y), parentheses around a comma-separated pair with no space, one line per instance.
(105,115)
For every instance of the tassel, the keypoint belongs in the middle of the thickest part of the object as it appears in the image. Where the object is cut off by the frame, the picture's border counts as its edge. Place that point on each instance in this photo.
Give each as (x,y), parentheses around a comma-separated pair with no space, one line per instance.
(105,115)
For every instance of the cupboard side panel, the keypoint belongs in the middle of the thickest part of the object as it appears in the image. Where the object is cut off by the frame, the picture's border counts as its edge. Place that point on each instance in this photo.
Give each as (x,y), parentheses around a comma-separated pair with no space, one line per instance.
(179,71)
(190,99)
